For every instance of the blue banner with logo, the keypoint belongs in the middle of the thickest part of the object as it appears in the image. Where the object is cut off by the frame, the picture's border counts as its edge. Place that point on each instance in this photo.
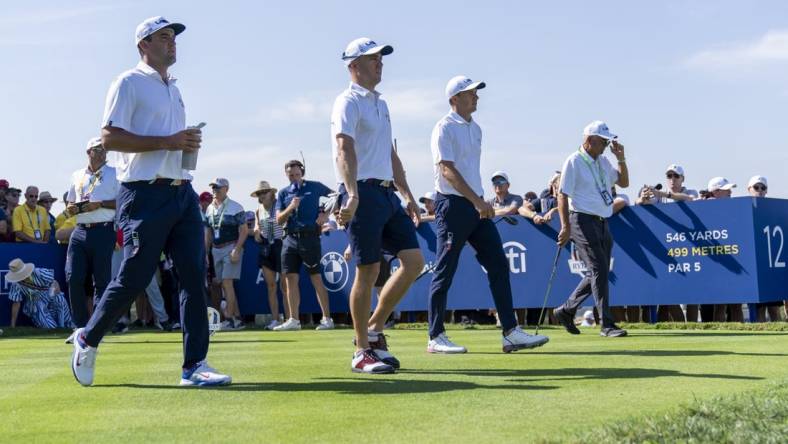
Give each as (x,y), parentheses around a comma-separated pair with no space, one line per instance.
(714,251)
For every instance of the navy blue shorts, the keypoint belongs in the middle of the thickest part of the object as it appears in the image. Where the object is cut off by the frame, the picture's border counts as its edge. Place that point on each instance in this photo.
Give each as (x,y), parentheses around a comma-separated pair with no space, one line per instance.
(300,250)
(270,255)
(380,224)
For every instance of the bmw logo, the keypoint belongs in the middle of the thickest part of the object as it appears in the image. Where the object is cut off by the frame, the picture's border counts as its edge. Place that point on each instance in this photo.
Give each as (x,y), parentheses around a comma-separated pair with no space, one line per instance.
(335,271)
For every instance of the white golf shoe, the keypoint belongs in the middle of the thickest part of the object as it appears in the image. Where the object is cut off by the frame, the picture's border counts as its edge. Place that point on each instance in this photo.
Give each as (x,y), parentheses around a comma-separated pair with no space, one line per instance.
(442,344)
(289,325)
(517,339)
(83,360)
(203,375)
(325,324)
(70,338)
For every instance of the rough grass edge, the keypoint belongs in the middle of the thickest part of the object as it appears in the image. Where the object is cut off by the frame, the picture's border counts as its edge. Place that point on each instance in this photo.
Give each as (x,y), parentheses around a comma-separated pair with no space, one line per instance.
(755,416)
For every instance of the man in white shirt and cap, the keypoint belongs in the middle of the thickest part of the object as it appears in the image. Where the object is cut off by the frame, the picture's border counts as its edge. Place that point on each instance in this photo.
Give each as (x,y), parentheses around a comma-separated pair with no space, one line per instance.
(145,121)
(462,215)
(368,169)
(584,204)
(91,198)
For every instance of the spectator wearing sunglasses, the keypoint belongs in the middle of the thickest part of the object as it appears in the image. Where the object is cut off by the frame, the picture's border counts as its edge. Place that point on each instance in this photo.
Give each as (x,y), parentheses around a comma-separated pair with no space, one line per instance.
(675,191)
(31,221)
(757,187)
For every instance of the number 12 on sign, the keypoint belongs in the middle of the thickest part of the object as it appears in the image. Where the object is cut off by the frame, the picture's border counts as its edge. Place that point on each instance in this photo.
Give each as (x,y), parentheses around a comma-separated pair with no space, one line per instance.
(772,232)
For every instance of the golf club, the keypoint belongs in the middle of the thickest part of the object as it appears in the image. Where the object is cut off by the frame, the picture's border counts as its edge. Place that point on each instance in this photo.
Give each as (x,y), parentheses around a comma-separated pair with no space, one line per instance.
(549,286)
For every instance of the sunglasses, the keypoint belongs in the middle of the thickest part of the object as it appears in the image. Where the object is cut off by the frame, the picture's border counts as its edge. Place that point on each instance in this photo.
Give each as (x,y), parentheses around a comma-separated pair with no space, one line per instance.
(759,188)
(31,195)
(216,187)
(672,176)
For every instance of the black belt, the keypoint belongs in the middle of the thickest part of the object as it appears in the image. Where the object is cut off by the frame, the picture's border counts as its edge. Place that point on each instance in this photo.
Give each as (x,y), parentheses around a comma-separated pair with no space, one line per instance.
(592,216)
(378,182)
(96,225)
(303,233)
(164,181)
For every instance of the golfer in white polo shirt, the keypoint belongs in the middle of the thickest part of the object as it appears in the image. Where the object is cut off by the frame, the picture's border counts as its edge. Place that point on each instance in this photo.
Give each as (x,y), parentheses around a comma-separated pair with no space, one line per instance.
(368,168)
(462,215)
(145,121)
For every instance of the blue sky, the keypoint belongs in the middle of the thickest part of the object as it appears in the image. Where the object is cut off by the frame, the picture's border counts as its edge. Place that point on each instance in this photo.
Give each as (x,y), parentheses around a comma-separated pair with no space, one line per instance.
(699,83)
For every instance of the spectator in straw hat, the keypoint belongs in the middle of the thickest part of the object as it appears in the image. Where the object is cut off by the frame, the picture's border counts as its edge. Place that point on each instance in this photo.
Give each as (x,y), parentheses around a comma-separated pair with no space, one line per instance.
(45,199)
(44,303)
(269,234)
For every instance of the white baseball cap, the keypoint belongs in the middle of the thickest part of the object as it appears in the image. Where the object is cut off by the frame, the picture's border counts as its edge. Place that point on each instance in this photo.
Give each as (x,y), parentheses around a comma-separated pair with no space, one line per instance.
(364,46)
(429,195)
(94,143)
(720,183)
(676,169)
(153,24)
(599,128)
(757,179)
(459,84)
(501,174)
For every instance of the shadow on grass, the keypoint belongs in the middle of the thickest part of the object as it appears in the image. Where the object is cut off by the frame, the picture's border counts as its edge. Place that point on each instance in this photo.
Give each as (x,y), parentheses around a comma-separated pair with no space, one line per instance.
(691,333)
(564,374)
(212,342)
(376,386)
(649,353)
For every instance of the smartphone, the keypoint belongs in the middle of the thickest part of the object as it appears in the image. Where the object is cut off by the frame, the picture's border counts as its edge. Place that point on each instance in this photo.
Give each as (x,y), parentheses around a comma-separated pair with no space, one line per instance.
(81,206)
(198,126)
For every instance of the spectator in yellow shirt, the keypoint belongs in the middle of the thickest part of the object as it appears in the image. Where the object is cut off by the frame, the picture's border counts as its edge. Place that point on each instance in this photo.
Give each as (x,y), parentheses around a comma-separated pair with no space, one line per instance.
(64,225)
(31,221)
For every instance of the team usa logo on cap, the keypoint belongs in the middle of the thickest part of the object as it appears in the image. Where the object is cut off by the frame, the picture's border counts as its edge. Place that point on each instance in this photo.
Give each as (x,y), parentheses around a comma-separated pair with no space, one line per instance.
(459,84)
(364,46)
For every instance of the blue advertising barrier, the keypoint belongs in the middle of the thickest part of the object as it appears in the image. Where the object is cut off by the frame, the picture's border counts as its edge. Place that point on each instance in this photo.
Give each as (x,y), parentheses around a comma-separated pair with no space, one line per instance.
(715,251)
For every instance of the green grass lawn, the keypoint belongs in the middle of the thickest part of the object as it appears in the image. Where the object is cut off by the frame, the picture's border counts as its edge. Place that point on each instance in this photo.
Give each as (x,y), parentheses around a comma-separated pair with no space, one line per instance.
(297,386)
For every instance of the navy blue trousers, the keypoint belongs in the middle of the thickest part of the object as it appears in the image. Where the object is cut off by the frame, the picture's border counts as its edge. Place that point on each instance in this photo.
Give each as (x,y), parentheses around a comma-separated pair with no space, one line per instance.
(458,222)
(156,218)
(89,255)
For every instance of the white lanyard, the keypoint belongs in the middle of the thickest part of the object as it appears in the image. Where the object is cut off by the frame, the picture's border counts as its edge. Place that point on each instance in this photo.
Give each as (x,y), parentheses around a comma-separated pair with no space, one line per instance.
(221,217)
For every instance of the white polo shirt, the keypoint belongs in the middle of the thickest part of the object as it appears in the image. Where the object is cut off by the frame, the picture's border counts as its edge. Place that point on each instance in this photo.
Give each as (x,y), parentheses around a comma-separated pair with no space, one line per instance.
(582,182)
(140,102)
(89,187)
(457,140)
(364,116)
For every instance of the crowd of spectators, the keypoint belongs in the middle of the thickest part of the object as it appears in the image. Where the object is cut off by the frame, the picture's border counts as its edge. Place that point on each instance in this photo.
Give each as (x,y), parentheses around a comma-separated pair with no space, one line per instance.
(226,221)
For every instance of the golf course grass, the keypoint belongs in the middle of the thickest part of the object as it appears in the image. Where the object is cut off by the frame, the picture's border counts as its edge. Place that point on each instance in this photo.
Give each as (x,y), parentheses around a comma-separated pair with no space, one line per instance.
(297,387)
